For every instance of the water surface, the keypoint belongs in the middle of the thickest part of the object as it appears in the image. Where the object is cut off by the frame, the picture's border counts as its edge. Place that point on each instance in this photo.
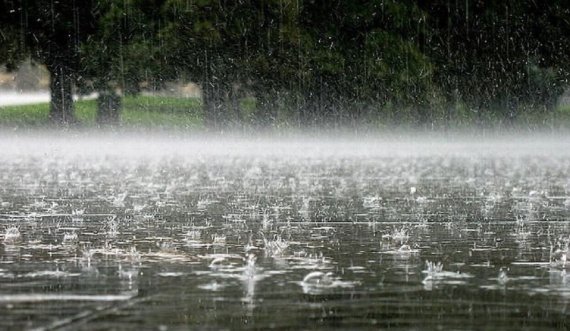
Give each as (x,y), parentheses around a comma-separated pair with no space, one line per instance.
(185,233)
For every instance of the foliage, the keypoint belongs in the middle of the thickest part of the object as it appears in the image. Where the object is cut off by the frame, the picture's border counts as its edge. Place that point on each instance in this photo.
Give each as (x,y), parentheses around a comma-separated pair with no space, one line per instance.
(497,56)
(51,33)
(304,62)
(122,53)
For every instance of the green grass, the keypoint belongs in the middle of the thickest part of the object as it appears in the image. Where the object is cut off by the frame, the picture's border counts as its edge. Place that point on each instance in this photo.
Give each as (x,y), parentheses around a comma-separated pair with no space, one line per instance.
(28,115)
(159,112)
(139,111)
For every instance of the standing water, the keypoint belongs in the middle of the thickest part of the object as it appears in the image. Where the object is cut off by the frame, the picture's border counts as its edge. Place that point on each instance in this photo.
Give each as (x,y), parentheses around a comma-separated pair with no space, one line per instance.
(181,233)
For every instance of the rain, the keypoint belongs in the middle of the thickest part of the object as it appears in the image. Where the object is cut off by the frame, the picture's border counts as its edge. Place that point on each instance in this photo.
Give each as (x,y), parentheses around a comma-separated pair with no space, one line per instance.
(258,165)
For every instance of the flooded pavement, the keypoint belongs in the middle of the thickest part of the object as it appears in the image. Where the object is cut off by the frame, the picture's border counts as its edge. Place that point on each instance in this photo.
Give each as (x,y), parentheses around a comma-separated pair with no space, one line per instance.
(184,234)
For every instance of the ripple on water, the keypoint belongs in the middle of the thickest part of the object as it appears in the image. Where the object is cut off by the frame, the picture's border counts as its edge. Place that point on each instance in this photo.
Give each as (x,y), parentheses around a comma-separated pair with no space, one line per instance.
(321,240)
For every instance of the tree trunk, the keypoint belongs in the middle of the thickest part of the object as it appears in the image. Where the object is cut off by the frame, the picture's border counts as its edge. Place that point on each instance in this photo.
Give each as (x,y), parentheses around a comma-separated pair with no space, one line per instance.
(108,107)
(310,109)
(61,103)
(265,113)
(234,104)
(212,101)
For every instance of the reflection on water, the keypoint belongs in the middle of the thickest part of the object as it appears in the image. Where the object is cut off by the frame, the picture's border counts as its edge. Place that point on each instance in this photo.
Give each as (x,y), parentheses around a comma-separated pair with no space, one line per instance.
(299,240)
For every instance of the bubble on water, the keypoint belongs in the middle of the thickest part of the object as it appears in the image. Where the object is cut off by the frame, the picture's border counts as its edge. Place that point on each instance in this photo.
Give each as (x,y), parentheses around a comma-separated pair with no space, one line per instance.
(422,200)
(318,278)
(275,247)
(435,275)
(129,274)
(212,286)
(371,202)
(405,249)
(12,234)
(503,278)
(133,254)
(78,212)
(139,207)
(118,201)
(112,226)
(266,220)
(49,274)
(490,204)
(224,262)
(193,235)
(559,252)
(39,204)
(319,282)
(70,237)
(219,239)
(203,203)
(250,266)
(400,234)
(86,259)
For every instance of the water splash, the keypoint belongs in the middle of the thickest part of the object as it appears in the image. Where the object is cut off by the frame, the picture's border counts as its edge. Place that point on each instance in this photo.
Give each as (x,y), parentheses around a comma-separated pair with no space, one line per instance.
(275,247)
(12,234)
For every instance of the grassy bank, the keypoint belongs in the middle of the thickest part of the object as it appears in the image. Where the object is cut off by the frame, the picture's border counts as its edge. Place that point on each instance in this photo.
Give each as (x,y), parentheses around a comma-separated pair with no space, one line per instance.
(159,112)
(137,112)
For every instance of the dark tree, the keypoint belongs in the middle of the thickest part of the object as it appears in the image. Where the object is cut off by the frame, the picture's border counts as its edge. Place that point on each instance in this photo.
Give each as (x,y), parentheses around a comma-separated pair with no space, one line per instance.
(318,57)
(364,52)
(121,54)
(203,43)
(499,56)
(50,32)
(312,60)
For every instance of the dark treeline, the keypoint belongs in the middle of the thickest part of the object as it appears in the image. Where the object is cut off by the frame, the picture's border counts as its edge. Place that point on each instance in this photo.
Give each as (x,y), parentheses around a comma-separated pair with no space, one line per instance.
(302,62)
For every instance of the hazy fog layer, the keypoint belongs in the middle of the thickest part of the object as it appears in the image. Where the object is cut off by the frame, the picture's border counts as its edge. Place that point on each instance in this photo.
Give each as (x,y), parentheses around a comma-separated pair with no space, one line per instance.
(311,146)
